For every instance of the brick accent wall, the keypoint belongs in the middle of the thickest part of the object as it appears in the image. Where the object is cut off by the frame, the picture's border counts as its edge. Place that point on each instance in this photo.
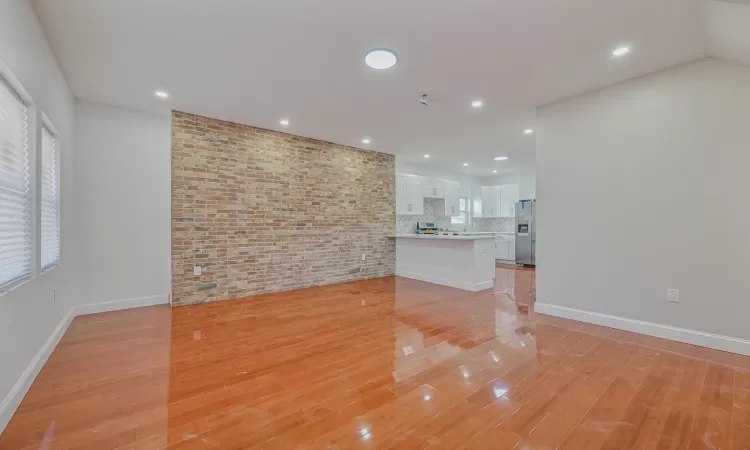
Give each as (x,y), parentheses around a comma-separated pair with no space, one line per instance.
(262,211)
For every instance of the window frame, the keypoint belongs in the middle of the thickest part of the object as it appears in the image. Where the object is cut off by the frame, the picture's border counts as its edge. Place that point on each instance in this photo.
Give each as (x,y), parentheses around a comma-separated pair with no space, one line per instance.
(47,123)
(467,211)
(34,136)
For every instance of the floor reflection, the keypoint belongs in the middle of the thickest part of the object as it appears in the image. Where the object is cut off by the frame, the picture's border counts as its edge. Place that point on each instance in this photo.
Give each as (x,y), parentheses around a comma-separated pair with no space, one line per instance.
(385,363)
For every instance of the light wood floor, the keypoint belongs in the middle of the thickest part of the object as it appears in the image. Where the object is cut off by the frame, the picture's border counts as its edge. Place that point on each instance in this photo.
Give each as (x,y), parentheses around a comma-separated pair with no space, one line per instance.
(387,363)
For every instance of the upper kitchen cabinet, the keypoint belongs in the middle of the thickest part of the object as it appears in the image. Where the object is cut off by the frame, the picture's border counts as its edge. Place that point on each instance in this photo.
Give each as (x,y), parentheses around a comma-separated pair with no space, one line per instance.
(498,201)
(433,188)
(452,198)
(491,197)
(402,195)
(409,195)
(508,199)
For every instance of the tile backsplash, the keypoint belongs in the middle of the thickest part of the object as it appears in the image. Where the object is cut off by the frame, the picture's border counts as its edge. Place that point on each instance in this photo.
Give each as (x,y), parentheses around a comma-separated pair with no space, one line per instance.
(408,224)
(433,209)
(500,224)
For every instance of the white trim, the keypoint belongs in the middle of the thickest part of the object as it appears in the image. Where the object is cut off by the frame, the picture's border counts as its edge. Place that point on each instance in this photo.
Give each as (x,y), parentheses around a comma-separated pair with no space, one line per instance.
(7,74)
(118,305)
(18,392)
(443,282)
(700,338)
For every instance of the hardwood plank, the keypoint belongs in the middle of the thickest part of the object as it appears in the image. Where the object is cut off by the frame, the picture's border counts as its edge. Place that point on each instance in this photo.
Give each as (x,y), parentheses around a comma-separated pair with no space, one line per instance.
(384,363)
(712,428)
(741,413)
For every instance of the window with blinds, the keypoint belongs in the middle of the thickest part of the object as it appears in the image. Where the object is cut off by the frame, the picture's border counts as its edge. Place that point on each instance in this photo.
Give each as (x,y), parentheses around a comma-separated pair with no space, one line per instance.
(15,190)
(50,215)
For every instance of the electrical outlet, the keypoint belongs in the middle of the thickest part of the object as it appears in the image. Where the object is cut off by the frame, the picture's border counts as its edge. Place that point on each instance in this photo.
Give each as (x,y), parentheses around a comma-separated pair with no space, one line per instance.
(364,256)
(673,295)
(197,270)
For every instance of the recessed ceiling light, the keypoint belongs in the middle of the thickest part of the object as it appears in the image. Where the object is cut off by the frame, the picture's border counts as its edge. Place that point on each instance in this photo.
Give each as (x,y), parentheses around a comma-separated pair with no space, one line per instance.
(528,131)
(500,158)
(284,122)
(466,164)
(366,141)
(426,156)
(477,103)
(494,171)
(161,94)
(620,51)
(380,58)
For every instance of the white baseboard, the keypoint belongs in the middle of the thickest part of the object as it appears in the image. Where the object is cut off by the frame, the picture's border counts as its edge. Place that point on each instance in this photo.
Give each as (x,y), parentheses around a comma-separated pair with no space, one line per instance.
(700,338)
(18,392)
(473,287)
(118,305)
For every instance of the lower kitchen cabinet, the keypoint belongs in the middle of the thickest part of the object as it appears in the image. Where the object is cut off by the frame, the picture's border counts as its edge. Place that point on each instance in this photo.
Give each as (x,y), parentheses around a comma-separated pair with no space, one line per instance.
(505,247)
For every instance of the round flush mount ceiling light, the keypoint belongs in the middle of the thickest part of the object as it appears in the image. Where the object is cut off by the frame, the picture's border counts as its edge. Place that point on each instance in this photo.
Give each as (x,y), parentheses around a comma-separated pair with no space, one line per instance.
(620,51)
(494,171)
(426,156)
(528,131)
(366,141)
(477,104)
(284,122)
(161,94)
(466,164)
(500,158)
(380,58)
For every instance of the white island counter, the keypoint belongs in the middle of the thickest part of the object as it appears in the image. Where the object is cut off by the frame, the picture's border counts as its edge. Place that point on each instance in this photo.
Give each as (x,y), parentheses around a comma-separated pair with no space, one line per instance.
(465,261)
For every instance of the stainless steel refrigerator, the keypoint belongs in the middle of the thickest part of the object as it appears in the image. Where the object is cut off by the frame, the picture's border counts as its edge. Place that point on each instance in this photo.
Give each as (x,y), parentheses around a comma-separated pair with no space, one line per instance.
(526,232)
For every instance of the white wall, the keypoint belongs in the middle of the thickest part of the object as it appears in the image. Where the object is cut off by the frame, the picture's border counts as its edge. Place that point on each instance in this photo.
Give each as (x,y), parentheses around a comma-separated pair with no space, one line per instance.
(643,186)
(29,314)
(123,188)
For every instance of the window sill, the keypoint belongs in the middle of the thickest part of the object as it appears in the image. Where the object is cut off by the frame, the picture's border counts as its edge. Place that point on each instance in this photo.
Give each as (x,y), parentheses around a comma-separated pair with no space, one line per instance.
(54,265)
(15,285)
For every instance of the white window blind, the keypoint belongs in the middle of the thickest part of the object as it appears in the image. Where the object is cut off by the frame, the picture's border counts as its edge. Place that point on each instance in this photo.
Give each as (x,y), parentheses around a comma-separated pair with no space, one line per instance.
(50,202)
(15,190)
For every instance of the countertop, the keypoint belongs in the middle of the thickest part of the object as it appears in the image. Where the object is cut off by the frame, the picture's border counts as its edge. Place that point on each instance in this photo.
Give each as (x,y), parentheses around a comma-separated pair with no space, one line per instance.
(442,237)
(487,232)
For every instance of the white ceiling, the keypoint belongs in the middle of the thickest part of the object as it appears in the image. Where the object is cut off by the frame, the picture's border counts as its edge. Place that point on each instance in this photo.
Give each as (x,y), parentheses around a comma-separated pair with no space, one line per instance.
(255,62)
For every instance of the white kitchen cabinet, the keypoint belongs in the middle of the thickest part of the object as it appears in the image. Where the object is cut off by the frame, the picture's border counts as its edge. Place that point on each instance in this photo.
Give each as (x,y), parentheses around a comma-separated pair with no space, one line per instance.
(501,247)
(508,199)
(452,198)
(402,196)
(433,188)
(409,196)
(505,247)
(491,197)
(498,201)
(416,198)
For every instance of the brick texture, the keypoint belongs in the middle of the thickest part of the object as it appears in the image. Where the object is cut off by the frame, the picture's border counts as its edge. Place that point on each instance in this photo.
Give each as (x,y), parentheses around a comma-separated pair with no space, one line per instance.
(262,211)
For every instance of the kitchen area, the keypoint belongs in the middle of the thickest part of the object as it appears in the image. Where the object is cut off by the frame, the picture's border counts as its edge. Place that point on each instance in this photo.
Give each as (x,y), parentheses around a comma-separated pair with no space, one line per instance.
(453,232)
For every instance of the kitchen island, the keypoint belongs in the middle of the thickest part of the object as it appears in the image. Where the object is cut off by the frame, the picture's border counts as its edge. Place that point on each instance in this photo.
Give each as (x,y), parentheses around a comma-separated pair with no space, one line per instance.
(464,261)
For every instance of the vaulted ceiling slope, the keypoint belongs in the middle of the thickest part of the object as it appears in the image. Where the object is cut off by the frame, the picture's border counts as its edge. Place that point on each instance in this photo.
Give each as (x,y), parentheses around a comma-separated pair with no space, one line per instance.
(256,62)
